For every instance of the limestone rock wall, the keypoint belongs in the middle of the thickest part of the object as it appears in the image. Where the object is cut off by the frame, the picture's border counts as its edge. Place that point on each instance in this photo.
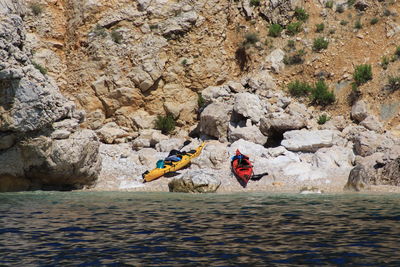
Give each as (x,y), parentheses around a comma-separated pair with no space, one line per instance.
(41,145)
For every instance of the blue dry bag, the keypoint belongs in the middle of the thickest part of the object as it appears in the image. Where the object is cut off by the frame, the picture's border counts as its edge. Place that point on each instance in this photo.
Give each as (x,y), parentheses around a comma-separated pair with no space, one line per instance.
(160,164)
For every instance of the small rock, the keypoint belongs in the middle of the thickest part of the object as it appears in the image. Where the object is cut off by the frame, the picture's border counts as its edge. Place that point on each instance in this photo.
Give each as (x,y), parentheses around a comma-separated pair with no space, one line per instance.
(310,190)
(195,181)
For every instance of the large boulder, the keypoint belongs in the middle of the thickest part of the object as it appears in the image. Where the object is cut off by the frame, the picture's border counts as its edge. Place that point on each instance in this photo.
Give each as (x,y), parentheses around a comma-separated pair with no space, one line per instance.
(310,141)
(259,81)
(248,148)
(142,120)
(62,164)
(275,60)
(372,123)
(169,144)
(214,155)
(368,142)
(282,122)
(249,106)
(249,133)
(359,179)
(195,181)
(279,12)
(214,120)
(214,92)
(148,157)
(390,174)
(111,133)
(359,111)
(146,75)
(175,26)
(336,160)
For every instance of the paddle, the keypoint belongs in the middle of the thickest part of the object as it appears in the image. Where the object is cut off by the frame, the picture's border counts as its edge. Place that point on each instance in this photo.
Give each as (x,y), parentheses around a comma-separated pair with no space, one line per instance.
(185,144)
(257,177)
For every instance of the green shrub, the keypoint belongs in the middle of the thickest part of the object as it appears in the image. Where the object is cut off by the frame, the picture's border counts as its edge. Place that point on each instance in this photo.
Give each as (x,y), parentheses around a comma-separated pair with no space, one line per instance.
(385,62)
(354,94)
(291,44)
(275,30)
(339,8)
(362,74)
(153,26)
(165,123)
(358,25)
(295,58)
(387,13)
(374,21)
(319,27)
(99,31)
(320,94)
(116,36)
(184,62)
(301,14)
(298,88)
(36,8)
(397,52)
(344,22)
(332,31)
(41,68)
(201,102)
(329,4)
(322,119)
(251,38)
(254,2)
(394,83)
(293,28)
(350,3)
(320,43)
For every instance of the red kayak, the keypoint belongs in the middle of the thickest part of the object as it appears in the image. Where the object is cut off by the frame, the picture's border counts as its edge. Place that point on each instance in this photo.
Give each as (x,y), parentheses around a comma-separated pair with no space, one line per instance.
(242,168)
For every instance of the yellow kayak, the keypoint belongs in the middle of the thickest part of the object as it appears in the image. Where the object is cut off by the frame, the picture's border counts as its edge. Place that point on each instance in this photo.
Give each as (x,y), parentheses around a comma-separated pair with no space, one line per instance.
(173,166)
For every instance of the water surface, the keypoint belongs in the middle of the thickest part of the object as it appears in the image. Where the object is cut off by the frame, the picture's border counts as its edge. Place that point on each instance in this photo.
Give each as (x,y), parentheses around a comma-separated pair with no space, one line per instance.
(166,229)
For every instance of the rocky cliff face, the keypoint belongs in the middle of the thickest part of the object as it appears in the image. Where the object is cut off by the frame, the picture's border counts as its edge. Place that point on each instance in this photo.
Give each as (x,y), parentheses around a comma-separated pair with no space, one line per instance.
(217,67)
(41,145)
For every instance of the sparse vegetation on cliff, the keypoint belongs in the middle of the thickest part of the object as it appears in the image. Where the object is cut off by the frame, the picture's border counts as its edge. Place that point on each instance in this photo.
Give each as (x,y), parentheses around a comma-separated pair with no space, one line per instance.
(250,38)
(275,30)
(36,8)
(41,68)
(297,57)
(165,123)
(358,25)
(385,62)
(320,43)
(99,31)
(362,74)
(329,4)
(319,27)
(321,95)
(322,119)
(394,83)
(298,88)
(116,36)
(201,102)
(397,52)
(254,2)
(301,14)
(374,21)
(294,28)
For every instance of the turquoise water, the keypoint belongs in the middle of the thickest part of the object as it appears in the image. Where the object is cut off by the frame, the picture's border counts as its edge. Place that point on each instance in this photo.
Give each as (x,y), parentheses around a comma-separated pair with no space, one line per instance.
(166,229)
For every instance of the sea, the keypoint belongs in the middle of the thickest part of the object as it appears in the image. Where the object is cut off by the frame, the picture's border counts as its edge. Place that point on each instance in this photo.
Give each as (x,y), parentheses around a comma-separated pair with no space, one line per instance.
(176,229)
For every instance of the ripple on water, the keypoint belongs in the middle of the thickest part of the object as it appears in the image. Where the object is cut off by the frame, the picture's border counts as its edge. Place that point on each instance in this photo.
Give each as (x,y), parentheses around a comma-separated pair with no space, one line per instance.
(87,229)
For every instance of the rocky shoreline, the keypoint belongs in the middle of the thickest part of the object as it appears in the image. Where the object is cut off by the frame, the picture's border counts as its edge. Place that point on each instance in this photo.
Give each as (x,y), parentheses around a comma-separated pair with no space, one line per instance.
(48,143)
